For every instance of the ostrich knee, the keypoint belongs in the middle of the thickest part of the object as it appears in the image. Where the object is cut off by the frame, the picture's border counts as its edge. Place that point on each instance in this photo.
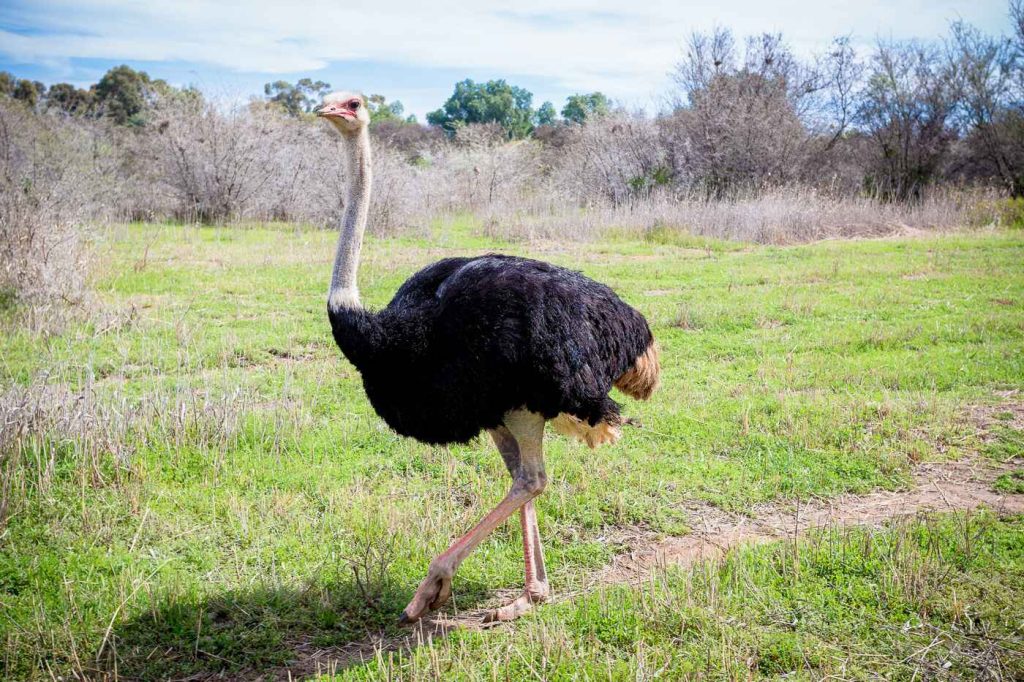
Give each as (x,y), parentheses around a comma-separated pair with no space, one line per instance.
(529,484)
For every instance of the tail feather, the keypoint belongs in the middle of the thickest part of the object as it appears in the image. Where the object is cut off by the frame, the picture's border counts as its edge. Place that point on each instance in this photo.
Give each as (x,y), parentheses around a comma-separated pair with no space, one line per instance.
(640,380)
(607,430)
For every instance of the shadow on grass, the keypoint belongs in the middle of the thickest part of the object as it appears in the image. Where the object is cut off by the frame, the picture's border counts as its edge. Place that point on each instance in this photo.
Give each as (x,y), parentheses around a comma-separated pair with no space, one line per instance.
(256,633)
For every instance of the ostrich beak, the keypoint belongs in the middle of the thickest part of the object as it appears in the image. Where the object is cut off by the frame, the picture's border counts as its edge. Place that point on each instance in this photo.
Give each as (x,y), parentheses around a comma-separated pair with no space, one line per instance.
(333,110)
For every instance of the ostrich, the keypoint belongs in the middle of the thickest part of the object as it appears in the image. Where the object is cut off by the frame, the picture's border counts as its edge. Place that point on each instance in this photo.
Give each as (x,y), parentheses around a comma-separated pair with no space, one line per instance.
(493,343)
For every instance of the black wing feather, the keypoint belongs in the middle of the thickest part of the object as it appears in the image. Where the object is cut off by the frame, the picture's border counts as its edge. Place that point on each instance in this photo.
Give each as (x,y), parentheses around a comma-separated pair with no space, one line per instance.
(465,340)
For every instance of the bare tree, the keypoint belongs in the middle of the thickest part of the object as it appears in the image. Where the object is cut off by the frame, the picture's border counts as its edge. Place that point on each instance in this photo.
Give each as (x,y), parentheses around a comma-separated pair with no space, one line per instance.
(740,120)
(1017,21)
(705,58)
(984,69)
(906,110)
(843,75)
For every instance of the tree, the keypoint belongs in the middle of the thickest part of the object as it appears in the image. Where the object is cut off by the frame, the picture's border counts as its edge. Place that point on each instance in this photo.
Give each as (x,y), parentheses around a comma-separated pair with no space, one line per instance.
(906,110)
(296,99)
(739,119)
(382,111)
(68,99)
(1017,21)
(546,114)
(843,73)
(7,83)
(983,70)
(492,102)
(578,108)
(28,92)
(123,94)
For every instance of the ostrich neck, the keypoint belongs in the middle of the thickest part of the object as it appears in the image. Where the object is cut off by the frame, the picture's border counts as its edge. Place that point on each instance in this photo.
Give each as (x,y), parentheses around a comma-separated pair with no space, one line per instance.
(344,292)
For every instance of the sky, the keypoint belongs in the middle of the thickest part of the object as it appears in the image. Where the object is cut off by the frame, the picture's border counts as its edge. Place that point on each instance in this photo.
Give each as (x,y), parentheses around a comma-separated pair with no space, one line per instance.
(415,50)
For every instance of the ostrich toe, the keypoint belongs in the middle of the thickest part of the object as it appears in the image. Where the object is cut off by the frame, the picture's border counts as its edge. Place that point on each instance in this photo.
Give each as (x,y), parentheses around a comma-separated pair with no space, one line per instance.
(433,592)
(518,606)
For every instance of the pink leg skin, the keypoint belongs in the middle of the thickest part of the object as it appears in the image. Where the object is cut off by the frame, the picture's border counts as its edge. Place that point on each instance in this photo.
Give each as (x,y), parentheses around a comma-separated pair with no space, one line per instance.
(537,589)
(527,429)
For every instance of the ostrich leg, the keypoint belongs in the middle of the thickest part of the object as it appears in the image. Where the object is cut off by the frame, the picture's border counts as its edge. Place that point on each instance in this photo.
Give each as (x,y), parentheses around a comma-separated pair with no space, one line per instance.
(537,589)
(526,430)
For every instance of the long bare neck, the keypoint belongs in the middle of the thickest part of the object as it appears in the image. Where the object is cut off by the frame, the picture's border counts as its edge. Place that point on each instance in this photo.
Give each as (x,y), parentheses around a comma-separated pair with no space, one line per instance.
(344,292)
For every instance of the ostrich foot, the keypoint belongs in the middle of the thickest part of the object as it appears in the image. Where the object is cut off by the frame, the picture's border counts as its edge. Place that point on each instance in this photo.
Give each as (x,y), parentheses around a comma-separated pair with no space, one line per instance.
(432,593)
(533,594)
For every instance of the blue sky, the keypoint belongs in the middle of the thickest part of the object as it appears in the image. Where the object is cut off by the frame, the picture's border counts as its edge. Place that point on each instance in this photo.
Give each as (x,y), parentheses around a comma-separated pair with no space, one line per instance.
(415,51)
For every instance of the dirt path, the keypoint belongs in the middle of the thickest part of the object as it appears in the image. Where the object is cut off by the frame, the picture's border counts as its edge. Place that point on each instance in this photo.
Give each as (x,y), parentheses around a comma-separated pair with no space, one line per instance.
(947,486)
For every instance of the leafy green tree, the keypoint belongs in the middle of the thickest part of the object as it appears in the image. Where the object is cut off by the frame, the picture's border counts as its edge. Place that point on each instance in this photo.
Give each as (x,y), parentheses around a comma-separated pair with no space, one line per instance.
(29,92)
(296,99)
(69,99)
(7,83)
(382,111)
(124,94)
(578,108)
(492,102)
(546,114)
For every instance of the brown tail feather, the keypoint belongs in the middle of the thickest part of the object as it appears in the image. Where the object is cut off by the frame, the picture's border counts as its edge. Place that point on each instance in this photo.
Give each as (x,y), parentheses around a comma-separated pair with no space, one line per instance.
(640,380)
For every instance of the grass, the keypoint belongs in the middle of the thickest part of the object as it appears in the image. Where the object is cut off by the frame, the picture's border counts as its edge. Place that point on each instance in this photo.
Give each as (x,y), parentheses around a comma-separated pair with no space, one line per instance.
(193,480)
(1011,483)
(933,598)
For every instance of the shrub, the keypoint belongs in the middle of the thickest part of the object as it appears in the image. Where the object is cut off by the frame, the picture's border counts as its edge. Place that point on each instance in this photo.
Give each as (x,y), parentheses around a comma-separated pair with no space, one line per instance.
(52,178)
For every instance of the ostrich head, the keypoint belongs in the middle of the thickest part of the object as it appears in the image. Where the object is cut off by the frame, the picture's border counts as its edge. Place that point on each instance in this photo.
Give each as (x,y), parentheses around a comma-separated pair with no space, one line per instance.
(346,111)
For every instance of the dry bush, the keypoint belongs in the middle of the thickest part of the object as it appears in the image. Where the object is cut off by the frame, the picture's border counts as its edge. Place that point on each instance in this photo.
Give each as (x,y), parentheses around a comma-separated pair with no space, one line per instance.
(215,163)
(255,163)
(479,171)
(302,177)
(403,197)
(199,161)
(797,214)
(134,182)
(54,175)
(412,141)
(615,158)
(785,215)
(489,174)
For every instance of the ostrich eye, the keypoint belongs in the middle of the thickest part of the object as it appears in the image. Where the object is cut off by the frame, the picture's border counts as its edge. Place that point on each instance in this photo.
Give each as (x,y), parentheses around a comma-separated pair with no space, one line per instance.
(354,104)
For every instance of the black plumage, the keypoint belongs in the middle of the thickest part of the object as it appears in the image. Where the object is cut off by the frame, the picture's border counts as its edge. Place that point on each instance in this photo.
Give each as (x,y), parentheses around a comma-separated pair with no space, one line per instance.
(466,340)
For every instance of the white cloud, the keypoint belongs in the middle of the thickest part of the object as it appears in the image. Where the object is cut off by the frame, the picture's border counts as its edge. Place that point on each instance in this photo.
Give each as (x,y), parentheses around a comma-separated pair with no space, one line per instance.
(623,49)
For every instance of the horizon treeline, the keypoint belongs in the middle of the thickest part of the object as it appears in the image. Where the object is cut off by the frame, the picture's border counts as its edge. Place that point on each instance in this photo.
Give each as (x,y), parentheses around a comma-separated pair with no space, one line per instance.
(744,115)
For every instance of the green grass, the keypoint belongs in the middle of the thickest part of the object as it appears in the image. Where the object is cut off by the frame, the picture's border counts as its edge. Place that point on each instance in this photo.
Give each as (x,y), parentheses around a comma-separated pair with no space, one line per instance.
(1011,483)
(216,471)
(936,598)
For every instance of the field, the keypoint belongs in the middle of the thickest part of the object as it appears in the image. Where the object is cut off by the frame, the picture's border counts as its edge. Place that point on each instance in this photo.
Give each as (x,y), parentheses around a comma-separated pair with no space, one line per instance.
(195,485)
